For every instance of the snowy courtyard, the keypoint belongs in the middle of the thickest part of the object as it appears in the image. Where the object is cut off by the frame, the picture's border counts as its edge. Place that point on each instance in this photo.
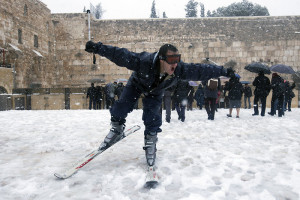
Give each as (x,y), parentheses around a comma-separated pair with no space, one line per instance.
(250,158)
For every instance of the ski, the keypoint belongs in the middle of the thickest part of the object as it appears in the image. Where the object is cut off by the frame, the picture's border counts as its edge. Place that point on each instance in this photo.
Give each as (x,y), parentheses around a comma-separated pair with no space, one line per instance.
(151,178)
(88,158)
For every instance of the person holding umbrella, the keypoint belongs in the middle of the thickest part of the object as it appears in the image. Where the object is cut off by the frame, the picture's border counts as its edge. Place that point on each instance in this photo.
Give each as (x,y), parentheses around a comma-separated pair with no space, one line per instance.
(278,87)
(91,93)
(262,90)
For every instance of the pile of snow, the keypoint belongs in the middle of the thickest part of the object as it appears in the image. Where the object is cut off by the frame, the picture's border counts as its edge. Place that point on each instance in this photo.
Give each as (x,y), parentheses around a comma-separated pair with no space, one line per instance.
(250,158)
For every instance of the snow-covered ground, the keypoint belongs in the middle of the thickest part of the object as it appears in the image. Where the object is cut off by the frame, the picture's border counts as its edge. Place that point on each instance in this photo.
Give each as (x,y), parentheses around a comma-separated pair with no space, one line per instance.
(251,158)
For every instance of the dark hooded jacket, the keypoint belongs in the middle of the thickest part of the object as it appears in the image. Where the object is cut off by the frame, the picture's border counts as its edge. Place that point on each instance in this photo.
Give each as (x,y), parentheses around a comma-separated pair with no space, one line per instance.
(182,91)
(146,69)
(262,85)
(278,85)
(235,89)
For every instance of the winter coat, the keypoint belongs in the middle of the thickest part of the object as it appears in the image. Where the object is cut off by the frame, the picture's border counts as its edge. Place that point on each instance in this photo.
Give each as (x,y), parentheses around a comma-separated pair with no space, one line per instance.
(199,94)
(289,94)
(119,90)
(208,93)
(91,93)
(182,91)
(99,93)
(247,91)
(262,86)
(235,89)
(278,85)
(146,70)
(110,90)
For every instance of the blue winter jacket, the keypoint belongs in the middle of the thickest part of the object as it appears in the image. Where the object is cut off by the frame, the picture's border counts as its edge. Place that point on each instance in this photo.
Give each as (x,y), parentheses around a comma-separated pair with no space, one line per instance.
(146,69)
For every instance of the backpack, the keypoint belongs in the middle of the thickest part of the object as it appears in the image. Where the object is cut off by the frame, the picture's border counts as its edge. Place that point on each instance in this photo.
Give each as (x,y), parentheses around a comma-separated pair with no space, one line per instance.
(292,94)
(281,87)
(212,84)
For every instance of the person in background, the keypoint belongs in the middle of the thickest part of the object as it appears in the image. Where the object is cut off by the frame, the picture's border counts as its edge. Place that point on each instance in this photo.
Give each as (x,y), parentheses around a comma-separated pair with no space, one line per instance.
(247,96)
(110,94)
(91,93)
(199,96)
(99,97)
(181,98)
(235,92)
(210,97)
(190,98)
(289,95)
(119,89)
(168,102)
(278,89)
(262,90)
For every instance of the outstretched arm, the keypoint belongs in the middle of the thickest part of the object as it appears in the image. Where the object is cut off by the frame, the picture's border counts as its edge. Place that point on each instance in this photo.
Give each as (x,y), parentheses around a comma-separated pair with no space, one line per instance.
(120,56)
(203,72)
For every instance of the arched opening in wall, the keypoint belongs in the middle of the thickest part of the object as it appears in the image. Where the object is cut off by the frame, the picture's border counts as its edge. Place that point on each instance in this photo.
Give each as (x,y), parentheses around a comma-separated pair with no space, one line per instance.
(3,90)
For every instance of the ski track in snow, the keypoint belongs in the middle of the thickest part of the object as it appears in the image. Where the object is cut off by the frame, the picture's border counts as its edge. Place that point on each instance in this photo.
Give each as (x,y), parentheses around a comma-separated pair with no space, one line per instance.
(251,158)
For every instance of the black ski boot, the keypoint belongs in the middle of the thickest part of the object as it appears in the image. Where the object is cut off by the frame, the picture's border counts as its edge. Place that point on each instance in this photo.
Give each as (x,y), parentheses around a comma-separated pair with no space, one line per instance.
(114,135)
(150,147)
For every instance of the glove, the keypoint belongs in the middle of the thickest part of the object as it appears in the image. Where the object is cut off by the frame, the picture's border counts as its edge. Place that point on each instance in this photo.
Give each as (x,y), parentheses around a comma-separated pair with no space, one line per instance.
(90,47)
(230,73)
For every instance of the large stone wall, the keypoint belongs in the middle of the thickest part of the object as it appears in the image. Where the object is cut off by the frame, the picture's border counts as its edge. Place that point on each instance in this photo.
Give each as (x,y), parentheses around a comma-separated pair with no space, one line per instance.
(243,40)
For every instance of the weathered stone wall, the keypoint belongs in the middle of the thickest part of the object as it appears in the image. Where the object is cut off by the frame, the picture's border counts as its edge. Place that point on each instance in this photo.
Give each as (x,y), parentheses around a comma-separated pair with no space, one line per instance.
(32,18)
(6,79)
(241,39)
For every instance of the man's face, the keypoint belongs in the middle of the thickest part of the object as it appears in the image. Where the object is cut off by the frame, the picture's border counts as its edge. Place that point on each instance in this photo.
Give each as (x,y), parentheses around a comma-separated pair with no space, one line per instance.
(169,63)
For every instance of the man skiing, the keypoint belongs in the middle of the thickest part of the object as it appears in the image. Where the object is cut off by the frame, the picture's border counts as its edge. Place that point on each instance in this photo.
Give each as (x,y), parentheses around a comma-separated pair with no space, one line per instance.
(152,74)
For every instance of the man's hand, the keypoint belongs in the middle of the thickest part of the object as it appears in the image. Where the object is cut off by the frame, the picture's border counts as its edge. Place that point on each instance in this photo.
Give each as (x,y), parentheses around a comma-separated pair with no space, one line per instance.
(230,73)
(90,47)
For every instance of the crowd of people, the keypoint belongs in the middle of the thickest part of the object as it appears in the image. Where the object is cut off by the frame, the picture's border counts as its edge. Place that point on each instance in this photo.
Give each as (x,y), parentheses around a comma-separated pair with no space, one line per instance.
(230,96)
(110,93)
(181,96)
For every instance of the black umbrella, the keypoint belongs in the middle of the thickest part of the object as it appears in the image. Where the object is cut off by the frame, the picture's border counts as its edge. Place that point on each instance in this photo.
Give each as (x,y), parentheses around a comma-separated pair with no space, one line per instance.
(96,80)
(245,82)
(257,67)
(284,69)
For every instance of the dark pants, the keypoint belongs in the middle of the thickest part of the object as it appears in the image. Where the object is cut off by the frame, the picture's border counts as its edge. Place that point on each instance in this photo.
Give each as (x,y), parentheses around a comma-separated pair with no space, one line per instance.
(210,107)
(98,105)
(151,108)
(245,102)
(168,104)
(180,108)
(288,105)
(280,99)
(190,105)
(109,102)
(200,102)
(92,102)
(263,105)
